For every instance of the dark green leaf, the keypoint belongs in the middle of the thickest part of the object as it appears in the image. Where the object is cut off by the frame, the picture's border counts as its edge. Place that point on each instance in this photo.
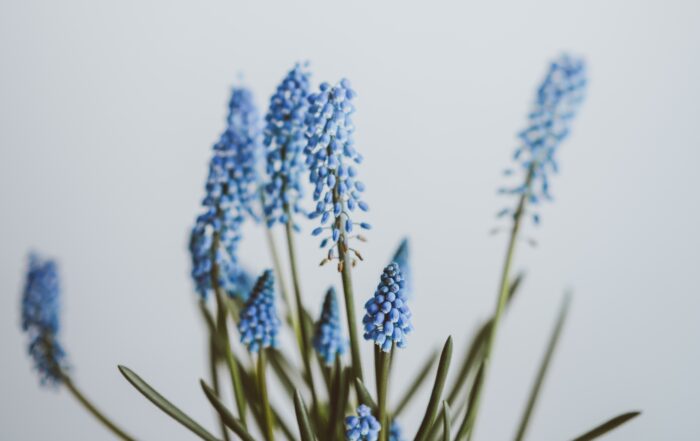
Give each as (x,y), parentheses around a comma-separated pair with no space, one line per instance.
(303,418)
(435,396)
(607,426)
(165,405)
(468,421)
(225,414)
(534,393)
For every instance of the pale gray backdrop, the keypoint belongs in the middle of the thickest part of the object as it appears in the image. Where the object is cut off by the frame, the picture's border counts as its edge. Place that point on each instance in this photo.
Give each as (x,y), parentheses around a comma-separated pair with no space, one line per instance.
(108,111)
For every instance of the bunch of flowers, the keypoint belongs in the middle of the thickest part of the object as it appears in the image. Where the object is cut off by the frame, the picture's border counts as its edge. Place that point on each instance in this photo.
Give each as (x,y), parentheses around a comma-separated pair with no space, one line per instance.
(309,137)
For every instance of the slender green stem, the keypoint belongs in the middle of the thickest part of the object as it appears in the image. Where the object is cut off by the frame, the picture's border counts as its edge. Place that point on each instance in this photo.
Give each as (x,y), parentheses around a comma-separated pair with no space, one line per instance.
(305,337)
(276,262)
(382,390)
(262,385)
(504,289)
(350,312)
(66,380)
(223,334)
(213,364)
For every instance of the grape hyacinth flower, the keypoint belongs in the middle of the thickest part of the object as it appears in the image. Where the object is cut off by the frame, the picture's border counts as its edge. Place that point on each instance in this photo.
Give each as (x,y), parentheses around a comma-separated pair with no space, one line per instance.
(363,427)
(387,317)
(328,336)
(284,139)
(330,155)
(40,319)
(557,103)
(402,259)
(230,190)
(258,323)
(395,432)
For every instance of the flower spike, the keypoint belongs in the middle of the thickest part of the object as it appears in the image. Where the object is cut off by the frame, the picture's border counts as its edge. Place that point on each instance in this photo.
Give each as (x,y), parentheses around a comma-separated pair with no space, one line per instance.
(230,190)
(557,102)
(330,155)
(40,319)
(363,427)
(285,141)
(328,336)
(402,259)
(387,317)
(259,324)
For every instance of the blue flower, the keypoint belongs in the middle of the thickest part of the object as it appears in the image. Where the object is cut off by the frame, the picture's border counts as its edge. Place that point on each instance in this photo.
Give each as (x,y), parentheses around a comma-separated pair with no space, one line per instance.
(328,336)
(395,432)
(330,155)
(557,101)
(387,318)
(230,191)
(402,259)
(363,427)
(258,323)
(40,319)
(285,140)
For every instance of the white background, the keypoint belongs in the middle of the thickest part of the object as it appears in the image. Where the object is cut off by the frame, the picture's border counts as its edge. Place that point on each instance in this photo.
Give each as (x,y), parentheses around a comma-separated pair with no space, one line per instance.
(108,111)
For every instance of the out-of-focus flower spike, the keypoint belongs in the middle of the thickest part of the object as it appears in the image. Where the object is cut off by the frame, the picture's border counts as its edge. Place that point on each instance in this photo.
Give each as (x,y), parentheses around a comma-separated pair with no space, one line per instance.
(328,336)
(259,324)
(284,139)
(395,432)
(40,319)
(363,426)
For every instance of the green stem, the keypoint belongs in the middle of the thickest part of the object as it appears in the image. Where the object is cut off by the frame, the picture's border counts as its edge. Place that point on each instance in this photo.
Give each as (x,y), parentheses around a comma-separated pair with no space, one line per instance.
(94,410)
(501,301)
(276,262)
(262,385)
(382,389)
(223,334)
(346,276)
(305,337)
(213,362)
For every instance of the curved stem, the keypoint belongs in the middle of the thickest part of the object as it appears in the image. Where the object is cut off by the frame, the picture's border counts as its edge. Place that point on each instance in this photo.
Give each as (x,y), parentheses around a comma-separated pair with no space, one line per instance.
(93,409)
(504,289)
(213,364)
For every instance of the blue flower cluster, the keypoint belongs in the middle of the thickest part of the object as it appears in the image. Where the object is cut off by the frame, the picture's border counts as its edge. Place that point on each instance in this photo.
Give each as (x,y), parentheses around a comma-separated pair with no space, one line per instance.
(387,317)
(230,190)
(558,100)
(259,324)
(330,154)
(285,140)
(328,337)
(40,319)
(363,427)
(395,432)
(402,259)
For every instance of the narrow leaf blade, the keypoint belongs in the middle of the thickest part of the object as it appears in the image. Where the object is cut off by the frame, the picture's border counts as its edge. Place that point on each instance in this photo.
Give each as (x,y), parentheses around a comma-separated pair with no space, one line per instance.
(607,426)
(302,418)
(435,396)
(165,405)
(225,414)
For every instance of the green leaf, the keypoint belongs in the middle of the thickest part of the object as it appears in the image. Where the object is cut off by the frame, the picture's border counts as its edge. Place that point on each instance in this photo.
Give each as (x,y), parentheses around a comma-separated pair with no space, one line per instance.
(417,382)
(225,414)
(165,405)
(468,421)
(435,396)
(607,426)
(539,380)
(303,418)
(446,435)
(364,396)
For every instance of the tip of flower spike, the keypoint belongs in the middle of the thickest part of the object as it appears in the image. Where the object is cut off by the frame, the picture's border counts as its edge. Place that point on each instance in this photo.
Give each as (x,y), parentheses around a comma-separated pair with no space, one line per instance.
(259,324)
(402,259)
